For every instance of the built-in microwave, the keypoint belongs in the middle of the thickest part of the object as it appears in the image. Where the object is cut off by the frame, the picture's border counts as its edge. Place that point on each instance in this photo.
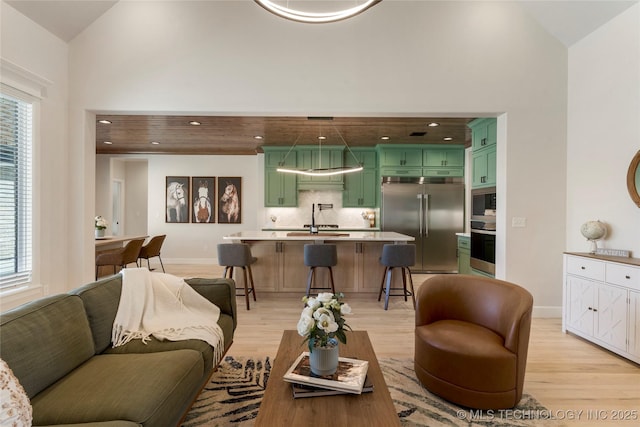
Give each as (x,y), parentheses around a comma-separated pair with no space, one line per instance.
(483,229)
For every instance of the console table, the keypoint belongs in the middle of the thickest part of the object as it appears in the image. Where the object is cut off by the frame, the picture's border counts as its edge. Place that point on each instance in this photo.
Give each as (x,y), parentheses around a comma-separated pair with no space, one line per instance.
(601,301)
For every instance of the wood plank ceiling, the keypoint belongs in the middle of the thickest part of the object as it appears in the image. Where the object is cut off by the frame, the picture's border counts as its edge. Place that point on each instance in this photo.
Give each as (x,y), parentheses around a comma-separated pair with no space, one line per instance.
(225,135)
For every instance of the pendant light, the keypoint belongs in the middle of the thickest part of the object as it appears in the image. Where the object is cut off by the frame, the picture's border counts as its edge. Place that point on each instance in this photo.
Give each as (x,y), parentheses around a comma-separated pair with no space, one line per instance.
(321,171)
(315,17)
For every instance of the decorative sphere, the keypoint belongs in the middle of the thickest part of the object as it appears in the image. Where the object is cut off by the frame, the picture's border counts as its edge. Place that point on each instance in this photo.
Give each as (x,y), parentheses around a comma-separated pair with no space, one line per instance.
(593,230)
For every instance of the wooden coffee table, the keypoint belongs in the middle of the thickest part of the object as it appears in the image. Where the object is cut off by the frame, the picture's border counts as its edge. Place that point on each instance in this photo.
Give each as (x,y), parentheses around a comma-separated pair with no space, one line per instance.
(279,408)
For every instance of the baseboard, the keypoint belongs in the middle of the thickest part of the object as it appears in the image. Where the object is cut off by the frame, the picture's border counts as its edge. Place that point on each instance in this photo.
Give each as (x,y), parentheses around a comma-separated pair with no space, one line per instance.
(547,311)
(190,261)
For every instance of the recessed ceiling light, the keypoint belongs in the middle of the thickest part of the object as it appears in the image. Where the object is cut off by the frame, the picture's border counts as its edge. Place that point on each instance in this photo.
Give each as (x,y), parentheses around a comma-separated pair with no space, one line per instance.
(258,137)
(155,143)
(108,142)
(105,122)
(448,138)
(433,124)
(385,137)
(322,137)
(195,123)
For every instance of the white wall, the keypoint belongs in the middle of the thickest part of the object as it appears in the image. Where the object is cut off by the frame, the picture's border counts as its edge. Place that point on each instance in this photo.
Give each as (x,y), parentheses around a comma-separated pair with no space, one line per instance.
(187,243)
(30,47)
(458,58)
(604,132)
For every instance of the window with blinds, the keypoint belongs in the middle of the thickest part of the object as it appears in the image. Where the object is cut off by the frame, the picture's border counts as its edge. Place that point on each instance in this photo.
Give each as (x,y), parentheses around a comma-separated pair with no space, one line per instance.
(15,191)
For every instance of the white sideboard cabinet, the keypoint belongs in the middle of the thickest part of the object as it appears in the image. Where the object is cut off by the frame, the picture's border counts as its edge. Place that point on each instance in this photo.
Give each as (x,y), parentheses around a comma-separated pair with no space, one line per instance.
(601,301)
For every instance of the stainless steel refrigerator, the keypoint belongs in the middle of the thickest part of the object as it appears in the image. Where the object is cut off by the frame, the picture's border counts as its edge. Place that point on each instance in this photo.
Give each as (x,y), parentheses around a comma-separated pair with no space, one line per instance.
(432,211)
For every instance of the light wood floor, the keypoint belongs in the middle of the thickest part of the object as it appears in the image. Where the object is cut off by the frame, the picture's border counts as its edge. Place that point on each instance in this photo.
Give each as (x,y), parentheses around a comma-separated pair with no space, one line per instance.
(565,373)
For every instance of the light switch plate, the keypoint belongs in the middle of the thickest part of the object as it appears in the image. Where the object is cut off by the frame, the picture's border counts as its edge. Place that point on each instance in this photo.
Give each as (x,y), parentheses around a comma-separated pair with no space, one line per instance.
(518,221)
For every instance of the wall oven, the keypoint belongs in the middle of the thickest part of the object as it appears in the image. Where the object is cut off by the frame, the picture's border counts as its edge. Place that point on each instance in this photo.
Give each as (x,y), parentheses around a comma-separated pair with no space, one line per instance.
(483,230)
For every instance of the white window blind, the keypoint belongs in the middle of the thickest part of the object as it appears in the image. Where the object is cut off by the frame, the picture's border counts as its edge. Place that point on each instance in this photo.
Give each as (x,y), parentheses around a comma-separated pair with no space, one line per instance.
(15,191)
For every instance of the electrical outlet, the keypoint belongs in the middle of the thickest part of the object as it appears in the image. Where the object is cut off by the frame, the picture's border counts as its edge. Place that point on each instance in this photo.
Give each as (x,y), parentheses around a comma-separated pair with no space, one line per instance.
(518,221)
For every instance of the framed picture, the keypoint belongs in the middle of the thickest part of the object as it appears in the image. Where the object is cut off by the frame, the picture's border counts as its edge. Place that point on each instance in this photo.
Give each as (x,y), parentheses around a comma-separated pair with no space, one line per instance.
(202,206)
(229,200)
(177,201)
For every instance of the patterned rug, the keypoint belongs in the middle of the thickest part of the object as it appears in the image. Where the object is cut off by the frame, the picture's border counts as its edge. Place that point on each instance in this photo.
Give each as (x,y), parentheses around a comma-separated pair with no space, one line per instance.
(233,396)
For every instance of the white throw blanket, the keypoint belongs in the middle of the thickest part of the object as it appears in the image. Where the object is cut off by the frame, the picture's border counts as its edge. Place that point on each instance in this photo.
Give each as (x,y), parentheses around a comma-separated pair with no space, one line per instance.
(166,307)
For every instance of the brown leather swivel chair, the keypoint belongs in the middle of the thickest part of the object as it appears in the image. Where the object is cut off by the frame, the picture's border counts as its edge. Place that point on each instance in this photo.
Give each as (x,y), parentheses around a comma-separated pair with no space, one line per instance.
(152,250)
(471,339)
(120,257)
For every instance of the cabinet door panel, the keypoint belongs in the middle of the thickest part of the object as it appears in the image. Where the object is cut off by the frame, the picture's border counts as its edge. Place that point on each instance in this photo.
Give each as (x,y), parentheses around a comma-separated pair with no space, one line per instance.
(634,324)
(581,302)
(612,316)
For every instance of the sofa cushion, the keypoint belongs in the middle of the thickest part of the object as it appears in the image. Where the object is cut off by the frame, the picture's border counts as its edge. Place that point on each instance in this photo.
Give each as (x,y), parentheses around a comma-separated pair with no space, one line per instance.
(101,301)
(44,340)
(152,389)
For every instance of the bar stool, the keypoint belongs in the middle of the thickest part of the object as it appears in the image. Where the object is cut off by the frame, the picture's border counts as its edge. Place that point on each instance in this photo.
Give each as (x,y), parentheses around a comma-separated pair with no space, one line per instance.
(238,255)
(394,256)
(320,255)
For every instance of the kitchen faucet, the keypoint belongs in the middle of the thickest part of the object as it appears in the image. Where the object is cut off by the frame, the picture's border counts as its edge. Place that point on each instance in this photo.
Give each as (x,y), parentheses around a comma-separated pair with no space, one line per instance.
(313,229)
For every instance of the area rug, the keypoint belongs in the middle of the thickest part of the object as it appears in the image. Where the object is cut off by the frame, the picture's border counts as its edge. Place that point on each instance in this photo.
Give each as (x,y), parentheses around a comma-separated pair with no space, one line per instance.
(232,398)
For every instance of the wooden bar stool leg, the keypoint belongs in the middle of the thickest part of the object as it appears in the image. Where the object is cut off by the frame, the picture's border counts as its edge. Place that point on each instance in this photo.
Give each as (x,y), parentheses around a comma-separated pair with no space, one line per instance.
(413,292)
(386,298)
(384,276)
(246,286)
(253,289)
(333,289)
(404,283)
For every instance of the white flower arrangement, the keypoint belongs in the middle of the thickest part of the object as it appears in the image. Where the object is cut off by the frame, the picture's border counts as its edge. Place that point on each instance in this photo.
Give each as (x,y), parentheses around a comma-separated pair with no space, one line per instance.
(101,223)
(321,321)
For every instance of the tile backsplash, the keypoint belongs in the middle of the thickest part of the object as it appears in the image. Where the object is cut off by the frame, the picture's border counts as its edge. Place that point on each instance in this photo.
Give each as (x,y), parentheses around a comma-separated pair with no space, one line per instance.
(297,217)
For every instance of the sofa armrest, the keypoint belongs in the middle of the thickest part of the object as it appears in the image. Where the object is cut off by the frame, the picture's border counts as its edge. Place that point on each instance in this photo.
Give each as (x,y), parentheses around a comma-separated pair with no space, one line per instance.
(221,292)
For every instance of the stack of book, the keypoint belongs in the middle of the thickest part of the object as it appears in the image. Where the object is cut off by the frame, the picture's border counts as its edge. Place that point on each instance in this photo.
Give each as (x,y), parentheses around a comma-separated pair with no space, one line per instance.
(350,378)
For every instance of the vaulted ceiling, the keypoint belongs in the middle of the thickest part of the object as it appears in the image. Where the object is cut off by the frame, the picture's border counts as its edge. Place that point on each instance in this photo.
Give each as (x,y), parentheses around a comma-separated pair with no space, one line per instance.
(569,21)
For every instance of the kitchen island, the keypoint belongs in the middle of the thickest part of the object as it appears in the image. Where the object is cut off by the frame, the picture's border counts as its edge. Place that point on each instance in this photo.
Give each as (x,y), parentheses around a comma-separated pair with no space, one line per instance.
(280,266)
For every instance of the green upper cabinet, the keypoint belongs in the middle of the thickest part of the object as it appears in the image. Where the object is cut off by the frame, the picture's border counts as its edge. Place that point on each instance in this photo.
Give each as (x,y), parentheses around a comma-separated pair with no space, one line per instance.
(443,161)
(280,188)
(400,156)
(483,133)
(313,157)
(445,158)
(361,188)
(400,160)
(483,156)
(421,160)
(483,166)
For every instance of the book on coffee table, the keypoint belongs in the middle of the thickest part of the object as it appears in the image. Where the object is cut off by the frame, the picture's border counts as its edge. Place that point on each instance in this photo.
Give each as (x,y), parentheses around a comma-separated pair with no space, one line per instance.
(304,390)
(349,377)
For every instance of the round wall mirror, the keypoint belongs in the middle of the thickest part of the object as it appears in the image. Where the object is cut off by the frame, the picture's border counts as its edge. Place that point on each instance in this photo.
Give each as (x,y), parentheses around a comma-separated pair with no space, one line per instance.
(633,179)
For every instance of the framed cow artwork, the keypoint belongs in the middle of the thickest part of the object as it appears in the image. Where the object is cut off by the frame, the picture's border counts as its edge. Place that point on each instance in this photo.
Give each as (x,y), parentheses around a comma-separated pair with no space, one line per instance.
(229,200)
(177,201)
(203,200)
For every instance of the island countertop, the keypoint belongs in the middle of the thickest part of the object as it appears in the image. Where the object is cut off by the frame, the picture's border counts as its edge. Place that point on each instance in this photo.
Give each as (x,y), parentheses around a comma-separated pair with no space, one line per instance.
(324,236)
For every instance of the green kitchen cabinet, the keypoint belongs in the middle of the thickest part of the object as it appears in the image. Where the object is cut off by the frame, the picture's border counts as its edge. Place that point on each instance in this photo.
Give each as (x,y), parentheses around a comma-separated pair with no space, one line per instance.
(483,133)
(443,157)
(361,188)
(483,156)
(443,162)
(483,167)
(314,157)
(280,189)
(392,157)
(464,255)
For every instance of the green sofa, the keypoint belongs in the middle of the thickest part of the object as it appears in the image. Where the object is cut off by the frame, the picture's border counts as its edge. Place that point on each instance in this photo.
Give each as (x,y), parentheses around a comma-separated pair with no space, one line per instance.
(59,348)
